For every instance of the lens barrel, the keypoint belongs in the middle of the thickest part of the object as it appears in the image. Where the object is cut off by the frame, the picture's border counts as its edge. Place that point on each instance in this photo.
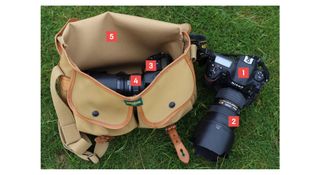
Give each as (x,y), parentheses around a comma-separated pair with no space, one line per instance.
(118,82)
(214,138)
(121,82)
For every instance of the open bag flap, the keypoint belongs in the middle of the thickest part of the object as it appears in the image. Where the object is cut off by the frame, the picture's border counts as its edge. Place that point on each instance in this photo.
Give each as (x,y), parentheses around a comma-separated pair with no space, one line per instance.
(137,38)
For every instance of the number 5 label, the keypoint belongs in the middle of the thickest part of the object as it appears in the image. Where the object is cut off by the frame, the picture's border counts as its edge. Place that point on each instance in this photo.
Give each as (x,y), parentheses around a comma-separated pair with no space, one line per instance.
(233,121)
(111,36)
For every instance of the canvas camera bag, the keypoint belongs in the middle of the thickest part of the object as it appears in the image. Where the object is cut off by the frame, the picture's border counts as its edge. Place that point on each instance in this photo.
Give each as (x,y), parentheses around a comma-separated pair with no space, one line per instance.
(82,45)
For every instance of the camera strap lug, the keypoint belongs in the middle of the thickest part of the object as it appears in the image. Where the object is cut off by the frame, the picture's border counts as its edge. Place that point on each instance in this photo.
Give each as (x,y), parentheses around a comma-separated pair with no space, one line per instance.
(193,52)
(181,150)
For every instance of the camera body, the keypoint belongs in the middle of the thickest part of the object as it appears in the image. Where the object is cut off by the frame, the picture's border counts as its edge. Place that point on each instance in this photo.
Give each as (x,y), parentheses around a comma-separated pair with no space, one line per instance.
(244,73)
(120,82)
(237,79)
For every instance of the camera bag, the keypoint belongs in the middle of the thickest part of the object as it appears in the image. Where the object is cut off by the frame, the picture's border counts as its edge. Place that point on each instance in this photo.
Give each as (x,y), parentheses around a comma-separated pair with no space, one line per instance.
(86,107)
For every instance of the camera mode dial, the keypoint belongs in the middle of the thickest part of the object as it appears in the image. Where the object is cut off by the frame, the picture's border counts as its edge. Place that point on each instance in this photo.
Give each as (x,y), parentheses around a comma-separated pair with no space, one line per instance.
(259,76)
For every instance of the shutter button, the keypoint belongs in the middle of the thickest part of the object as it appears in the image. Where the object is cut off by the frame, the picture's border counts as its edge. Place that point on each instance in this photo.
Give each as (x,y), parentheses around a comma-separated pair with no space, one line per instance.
(95,113)
(172,104)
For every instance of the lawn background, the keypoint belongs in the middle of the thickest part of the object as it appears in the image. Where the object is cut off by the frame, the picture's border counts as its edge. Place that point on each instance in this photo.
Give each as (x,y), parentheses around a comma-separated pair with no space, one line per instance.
(242,30)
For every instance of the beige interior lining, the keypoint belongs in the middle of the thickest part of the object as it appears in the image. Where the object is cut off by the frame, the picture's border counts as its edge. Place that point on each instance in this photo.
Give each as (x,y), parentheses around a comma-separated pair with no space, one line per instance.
(138,38)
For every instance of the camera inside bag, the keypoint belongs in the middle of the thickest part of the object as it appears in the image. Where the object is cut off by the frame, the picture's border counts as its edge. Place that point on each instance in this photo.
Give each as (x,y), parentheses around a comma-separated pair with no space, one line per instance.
(121,82)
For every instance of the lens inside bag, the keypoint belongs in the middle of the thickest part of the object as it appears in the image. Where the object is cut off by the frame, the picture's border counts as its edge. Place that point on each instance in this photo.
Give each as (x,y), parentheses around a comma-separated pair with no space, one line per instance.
(214,137)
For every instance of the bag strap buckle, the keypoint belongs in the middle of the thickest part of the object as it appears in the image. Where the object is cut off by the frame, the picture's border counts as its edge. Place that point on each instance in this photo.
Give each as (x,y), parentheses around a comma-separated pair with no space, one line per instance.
(181,150)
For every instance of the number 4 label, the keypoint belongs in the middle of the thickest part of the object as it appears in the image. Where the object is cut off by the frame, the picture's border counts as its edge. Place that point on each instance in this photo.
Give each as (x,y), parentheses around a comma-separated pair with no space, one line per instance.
(135,80)
(111,36)
(234,121)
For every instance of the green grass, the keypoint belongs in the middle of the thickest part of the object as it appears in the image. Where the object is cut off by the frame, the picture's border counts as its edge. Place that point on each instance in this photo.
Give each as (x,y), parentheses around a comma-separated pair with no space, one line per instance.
(245,30)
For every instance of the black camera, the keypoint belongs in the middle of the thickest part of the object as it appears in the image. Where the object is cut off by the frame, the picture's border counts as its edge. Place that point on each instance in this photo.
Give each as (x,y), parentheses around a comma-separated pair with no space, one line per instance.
(120,82)
(237,79)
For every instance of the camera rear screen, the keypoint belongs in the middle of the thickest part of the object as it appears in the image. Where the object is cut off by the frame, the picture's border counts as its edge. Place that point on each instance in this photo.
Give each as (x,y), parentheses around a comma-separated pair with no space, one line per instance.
(223,61)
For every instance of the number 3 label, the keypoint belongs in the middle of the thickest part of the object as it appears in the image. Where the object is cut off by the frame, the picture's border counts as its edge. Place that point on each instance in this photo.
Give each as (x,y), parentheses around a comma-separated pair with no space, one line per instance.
(135,80)
(151,65)
(111,36)
(233,121)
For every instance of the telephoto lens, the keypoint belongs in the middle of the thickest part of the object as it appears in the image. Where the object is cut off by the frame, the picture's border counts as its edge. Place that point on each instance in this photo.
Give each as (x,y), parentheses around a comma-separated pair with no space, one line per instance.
(237,79)
(214,138)
(120,82)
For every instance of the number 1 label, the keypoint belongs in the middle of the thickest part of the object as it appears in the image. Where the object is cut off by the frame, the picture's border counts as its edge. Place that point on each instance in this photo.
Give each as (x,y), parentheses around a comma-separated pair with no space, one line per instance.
(233,121)
(243,72)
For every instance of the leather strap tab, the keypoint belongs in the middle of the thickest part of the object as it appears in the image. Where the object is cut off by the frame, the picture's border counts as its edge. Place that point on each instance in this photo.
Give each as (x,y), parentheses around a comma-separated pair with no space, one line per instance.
(103,138)
(64,82)
(181,150)
(193,53)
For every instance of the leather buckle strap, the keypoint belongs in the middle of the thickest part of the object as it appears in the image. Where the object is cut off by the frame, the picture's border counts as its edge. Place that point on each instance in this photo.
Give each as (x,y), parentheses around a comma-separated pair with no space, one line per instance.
(94,158)
(71,138)
(181,150)
(103,139)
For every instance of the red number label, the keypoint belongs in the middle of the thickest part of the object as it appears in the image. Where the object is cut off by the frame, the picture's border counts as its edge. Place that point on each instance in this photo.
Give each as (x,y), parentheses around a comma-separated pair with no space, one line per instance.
(135,80)
(243,72)
(234,121)
(151,65)
(111,36)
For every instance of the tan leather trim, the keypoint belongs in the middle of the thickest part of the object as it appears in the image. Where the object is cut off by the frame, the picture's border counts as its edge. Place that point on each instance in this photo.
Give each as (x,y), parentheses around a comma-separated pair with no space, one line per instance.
(75,111)
(58,46)
(181,150)
(190,63)
(103,139)
(65,83)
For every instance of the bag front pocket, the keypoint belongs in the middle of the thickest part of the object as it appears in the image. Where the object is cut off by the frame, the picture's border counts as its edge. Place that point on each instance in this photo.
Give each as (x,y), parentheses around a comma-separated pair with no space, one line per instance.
(170,95)
(96,104)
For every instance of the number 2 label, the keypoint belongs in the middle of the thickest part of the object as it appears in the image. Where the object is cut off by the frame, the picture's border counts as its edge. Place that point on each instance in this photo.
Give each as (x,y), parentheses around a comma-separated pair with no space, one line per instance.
(111,36)
(151,65)
(233,121)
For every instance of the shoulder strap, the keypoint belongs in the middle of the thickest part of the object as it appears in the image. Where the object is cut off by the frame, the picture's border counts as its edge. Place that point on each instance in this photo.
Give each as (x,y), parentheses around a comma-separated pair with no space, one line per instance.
(71,138)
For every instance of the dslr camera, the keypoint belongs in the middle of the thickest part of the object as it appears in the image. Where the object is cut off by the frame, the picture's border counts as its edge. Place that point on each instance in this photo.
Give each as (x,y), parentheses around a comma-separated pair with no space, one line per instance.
(237,79)
(120,82)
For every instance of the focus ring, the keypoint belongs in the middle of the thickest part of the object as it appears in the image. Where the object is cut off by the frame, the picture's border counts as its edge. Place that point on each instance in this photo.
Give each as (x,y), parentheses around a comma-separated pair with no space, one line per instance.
(233,96)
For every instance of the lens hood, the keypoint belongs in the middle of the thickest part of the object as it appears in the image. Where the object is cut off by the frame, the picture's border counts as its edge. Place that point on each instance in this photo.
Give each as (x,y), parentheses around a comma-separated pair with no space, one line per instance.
(213,137)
